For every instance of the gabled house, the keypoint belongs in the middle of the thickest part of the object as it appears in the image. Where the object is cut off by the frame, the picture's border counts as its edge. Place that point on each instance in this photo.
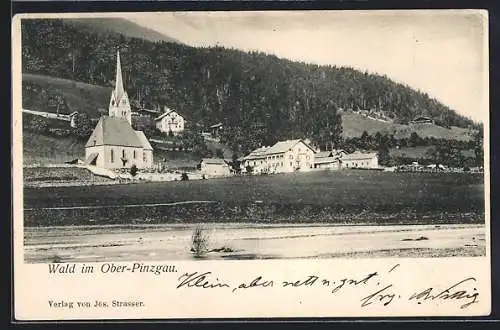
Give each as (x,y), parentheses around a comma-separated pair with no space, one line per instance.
(214,167)
(328,160)
(282,157)
(421,120)
(170,121)
(216,128)
(359,159)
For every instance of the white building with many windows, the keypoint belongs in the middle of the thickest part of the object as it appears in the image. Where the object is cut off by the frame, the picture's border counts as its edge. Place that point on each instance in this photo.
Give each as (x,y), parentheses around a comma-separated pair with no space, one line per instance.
(283,157)
(360,159)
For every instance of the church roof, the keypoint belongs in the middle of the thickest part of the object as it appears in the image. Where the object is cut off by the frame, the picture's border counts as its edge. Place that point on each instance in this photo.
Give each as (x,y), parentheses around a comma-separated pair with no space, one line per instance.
(115,131)
(144,140)
(119,90)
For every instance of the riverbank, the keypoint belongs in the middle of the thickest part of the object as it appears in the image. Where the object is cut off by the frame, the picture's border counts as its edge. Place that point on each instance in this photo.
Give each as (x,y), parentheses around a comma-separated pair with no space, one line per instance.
(250,241)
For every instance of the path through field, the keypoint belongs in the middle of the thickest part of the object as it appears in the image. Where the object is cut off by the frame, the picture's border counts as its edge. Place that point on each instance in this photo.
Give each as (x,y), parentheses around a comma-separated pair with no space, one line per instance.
(250,241)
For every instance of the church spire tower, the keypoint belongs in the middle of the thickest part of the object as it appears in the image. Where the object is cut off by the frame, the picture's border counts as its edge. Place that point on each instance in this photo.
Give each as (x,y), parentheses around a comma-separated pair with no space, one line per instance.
(119,105)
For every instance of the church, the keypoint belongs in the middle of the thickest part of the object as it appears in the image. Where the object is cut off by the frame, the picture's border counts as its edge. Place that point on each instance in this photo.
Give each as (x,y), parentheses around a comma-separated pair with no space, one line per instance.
(114,144)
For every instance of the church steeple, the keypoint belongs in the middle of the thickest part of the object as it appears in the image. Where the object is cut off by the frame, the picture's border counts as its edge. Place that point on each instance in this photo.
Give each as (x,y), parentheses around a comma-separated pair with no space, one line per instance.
(119,105)
(118,81)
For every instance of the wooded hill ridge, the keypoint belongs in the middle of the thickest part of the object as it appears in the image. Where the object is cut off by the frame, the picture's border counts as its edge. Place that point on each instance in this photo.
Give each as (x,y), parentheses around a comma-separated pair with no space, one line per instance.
(259,97)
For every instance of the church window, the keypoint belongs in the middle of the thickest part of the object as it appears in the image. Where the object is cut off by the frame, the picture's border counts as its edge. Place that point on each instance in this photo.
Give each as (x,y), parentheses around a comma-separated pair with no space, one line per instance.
(144,157)
(112,156)
(123,153)
(134,154)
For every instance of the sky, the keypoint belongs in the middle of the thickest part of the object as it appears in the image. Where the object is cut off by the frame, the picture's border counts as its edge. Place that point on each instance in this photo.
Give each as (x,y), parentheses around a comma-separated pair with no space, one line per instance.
(440,52)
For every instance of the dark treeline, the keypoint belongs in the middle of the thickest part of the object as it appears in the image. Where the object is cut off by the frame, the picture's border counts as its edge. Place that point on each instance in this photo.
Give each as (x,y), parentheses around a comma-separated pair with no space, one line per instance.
(260,98)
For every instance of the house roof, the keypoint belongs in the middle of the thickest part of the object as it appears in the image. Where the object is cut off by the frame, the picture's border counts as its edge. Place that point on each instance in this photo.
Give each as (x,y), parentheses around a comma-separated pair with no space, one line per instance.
(323,154)
(359,155)
(282,146)
(216,125)
(114,131)
(214,161)
(167,112)
(144,140)
(277,148)
(325,160)
(257,153)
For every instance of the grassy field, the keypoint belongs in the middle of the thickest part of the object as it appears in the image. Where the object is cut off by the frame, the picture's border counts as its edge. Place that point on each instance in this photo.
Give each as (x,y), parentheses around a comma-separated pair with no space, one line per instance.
(323,197)
(422,152)
(43,149)
(77,96)
(355,124)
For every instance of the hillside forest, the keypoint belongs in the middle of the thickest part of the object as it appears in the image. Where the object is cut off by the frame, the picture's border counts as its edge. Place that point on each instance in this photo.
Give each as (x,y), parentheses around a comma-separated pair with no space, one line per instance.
(259,98)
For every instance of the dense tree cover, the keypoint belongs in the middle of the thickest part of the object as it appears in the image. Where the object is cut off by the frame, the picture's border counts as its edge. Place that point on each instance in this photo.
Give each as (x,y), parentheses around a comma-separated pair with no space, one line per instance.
(83,125)
(259,98)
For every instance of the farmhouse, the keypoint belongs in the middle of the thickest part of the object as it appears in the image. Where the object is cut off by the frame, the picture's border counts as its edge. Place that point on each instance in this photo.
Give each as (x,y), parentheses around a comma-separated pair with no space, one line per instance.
(360,160)
(213,167)
(170,121)
(114,143)
(282,157)
(327,160)
(422,120)
(216,128)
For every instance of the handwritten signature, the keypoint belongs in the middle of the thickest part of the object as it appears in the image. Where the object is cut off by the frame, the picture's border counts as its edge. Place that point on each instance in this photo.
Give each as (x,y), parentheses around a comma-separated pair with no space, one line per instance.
(384,294)
(455,291)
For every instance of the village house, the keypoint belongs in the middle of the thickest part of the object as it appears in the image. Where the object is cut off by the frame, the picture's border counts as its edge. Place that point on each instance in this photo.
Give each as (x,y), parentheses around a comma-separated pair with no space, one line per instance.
(215,129)
(170,121)
(421,120)
(328,159)
(359,159)
(114,143)
(214,167)
(283,157)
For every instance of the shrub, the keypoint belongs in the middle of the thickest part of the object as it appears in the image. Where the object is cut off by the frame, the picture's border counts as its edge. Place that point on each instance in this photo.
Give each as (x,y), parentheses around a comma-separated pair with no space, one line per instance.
(39,125)
(199,242)
(83,125)
(133,170)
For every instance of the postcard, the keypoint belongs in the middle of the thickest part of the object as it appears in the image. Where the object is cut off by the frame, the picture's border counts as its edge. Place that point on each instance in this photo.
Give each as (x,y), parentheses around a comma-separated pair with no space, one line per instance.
(207,165)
